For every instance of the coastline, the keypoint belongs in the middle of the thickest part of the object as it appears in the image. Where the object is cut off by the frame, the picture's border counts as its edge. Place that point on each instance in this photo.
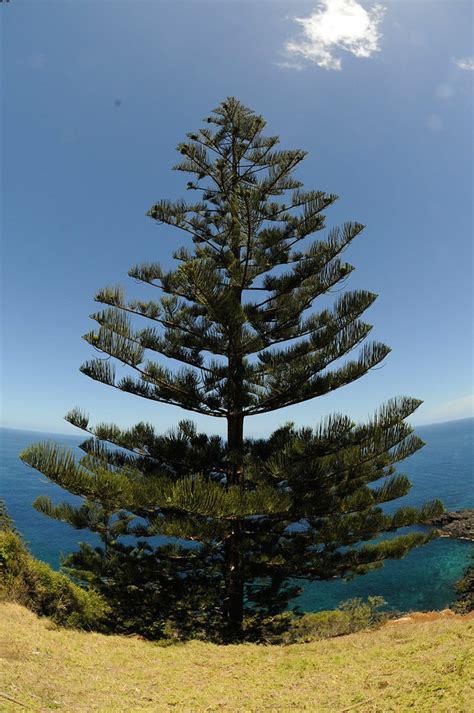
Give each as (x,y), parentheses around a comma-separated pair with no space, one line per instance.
(457,524)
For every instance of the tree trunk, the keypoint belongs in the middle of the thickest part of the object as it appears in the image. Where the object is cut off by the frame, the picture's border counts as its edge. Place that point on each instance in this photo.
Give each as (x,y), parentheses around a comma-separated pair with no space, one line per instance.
(234,595)
(234,575)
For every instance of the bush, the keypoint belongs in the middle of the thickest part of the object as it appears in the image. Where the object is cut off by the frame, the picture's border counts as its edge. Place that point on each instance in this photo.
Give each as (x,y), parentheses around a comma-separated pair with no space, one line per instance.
(465,592)
(35,585)
(353,615)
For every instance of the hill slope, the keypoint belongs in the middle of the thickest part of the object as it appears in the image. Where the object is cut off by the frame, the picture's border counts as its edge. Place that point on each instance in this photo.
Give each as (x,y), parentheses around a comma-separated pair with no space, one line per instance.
(409,665)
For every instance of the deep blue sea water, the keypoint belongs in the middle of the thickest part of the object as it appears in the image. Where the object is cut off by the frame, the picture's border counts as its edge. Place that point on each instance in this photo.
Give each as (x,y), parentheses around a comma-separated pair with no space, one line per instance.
(421,581)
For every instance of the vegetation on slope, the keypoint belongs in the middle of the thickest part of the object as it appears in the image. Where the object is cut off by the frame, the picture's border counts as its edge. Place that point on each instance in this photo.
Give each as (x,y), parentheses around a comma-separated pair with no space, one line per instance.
(411,665)
(27,581)
(465,592)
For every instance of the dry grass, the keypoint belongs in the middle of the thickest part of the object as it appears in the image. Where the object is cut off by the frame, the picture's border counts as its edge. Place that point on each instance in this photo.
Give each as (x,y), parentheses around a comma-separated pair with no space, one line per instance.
(411,666)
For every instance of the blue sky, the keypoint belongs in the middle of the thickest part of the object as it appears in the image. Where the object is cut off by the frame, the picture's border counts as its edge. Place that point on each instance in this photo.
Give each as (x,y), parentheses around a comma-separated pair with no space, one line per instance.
(96,95)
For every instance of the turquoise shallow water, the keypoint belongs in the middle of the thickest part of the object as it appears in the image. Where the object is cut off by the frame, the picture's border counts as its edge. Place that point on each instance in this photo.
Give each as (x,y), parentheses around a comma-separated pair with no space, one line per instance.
(422,580)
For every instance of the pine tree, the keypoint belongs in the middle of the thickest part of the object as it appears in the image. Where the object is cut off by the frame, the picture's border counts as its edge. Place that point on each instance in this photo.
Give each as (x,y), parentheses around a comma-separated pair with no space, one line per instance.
(239,314)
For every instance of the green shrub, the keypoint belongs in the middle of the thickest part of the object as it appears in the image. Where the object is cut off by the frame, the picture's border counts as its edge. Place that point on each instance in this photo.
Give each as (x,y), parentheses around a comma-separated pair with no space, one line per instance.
(35,585)
(465,592)
(364,614)
(353,615)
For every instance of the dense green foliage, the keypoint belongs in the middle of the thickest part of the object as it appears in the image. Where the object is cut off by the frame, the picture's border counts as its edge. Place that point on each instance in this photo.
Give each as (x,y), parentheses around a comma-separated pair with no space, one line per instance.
(238,314)
(465,592)
(27,581)
(288,628)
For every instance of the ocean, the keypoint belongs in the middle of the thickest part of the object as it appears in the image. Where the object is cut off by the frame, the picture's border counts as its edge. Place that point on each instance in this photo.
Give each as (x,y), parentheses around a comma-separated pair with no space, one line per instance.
(423,580)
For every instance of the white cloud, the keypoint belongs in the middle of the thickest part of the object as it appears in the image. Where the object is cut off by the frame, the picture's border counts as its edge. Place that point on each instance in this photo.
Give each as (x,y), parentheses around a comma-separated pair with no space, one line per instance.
(465,63)
(448,411)
(290,65)
(337,25)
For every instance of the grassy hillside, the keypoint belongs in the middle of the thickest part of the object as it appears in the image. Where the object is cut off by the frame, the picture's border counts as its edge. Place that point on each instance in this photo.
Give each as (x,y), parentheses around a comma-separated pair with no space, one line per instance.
(406,666)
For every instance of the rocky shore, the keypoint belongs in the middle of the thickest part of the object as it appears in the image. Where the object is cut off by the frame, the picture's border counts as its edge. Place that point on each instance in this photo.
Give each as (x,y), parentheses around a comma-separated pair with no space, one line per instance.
(458,524)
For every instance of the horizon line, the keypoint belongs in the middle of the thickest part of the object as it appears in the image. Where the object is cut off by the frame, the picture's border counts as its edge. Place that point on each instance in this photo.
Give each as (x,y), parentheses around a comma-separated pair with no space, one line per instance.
(63,433)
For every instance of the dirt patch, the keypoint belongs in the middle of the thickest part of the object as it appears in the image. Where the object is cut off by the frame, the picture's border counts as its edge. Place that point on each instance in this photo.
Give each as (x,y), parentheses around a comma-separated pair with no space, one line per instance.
(431,616)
